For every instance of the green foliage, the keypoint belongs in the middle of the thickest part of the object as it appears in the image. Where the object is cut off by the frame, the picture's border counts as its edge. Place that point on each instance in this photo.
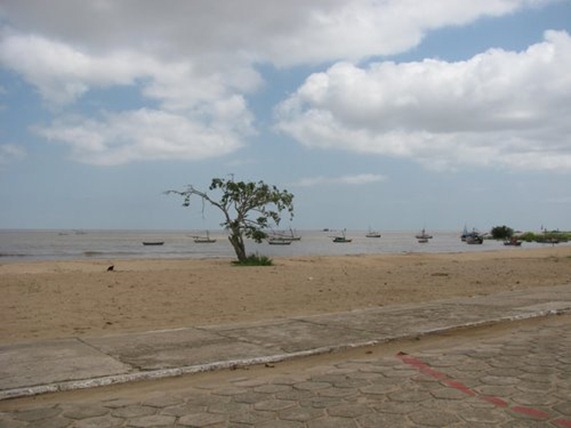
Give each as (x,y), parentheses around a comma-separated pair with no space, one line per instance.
(255,260)
(248,208)
(502,232)
(545,237)
(527,237)
(553,236)
(245,199)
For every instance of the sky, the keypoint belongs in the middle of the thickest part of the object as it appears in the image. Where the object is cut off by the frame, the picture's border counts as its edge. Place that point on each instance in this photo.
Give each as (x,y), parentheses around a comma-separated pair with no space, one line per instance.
(384,114)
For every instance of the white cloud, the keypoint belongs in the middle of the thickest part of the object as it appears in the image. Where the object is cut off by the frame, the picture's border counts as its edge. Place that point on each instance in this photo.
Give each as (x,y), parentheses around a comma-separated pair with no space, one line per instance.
(504,109)
(143,135)
(59,72)
(197,51)
(358,179)
(196,60)
(283,33)
(200,117)
(10,153)
(63,73)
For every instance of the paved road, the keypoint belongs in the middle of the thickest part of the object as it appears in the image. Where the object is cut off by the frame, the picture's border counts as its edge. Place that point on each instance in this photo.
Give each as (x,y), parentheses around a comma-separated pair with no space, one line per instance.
(517,374)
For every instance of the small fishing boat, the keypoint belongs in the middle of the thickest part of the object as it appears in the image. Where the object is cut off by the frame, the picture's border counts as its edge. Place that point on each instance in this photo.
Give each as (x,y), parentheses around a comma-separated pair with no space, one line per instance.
(283,235)
(156,243)
(373,234)
(341,239)
(204,239)
(423,235)
(474,238)
(294,236)
(464,234)
(279,241)
(513,242)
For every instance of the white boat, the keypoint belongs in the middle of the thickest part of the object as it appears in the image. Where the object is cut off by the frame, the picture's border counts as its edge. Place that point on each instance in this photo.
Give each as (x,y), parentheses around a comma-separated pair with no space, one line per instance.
(279,241)
(423,235)
(291,235)
(204,239)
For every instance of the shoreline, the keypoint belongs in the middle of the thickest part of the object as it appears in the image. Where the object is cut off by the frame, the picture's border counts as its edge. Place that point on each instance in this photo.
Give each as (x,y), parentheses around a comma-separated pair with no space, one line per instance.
(104,245)
(75,298)
(8,259)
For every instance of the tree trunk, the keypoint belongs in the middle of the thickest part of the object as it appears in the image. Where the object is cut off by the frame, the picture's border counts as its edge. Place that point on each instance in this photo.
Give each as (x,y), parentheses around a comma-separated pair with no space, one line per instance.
(238,244)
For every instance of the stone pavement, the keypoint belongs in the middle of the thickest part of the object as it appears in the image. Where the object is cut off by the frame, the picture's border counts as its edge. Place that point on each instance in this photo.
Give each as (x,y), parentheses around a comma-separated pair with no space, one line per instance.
(517,378)
(523,379)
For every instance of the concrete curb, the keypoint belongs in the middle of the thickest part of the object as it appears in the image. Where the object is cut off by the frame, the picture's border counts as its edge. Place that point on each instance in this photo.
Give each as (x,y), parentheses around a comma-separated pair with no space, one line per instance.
(237,363)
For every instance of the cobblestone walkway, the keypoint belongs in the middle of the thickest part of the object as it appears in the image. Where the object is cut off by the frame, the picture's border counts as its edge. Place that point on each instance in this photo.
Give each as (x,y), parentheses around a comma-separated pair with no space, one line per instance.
(521,378)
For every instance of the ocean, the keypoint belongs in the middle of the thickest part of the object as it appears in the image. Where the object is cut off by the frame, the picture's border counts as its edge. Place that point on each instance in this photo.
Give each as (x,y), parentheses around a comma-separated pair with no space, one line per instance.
(22,245)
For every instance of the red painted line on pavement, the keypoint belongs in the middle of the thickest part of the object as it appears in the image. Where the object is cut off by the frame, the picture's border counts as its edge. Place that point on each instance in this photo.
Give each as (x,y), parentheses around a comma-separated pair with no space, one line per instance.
(534,413)
(562,422)
(409,359)
(459,386)
(496,401)
(422,366)
(434,373)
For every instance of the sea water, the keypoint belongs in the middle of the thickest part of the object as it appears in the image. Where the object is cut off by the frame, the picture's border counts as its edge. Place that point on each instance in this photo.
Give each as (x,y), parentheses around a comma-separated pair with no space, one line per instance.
(20,245)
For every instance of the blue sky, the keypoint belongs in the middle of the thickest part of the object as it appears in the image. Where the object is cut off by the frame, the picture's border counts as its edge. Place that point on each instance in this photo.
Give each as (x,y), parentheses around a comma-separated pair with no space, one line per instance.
(391,114)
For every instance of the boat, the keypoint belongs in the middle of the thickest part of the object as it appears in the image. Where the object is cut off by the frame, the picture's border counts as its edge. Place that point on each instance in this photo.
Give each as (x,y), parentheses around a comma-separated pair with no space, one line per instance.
(513,242)
(464,234)
(423,240)
(153,242)
(294,236)
(474,238)
(279,241)
(373,234)
(290,236)
(423,235)
(204,239)
(341,238)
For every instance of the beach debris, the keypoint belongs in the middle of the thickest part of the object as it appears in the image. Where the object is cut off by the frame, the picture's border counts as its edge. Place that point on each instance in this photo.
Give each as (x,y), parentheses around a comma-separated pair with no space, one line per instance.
(440,274)
(111,268)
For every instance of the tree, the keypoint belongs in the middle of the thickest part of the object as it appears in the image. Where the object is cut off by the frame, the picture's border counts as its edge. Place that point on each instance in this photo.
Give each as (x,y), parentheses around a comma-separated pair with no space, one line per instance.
(502,232)
(248,208)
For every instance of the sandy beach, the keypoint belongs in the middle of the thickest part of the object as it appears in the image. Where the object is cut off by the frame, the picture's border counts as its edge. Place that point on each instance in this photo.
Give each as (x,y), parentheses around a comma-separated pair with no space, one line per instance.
(56,299)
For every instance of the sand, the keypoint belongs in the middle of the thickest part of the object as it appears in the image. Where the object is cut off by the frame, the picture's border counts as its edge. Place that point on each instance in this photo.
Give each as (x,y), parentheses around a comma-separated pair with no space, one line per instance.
(58,299)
